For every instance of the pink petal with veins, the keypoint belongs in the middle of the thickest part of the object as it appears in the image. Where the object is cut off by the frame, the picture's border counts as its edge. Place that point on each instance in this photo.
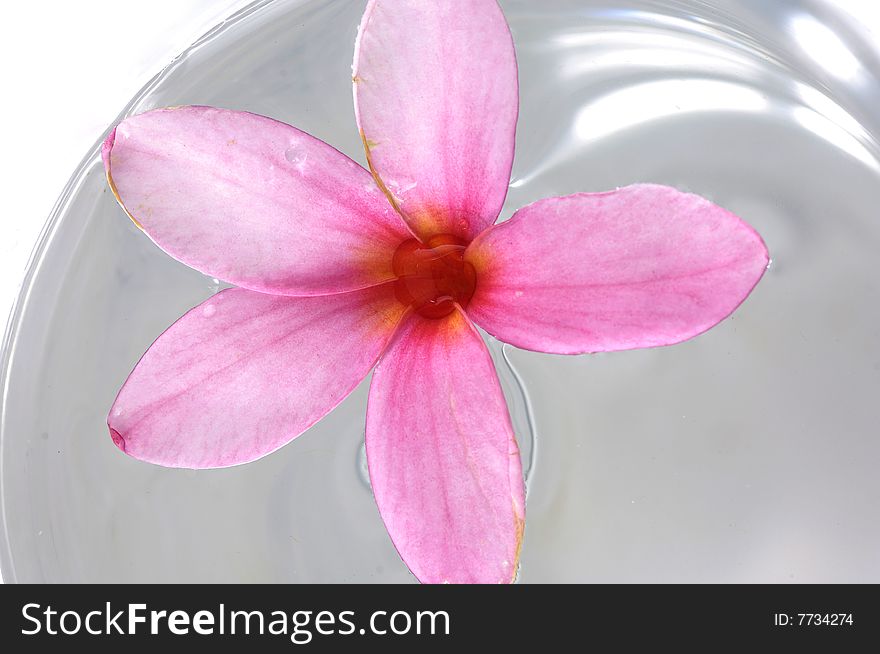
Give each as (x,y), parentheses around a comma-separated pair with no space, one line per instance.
(253,201)
(444,464)
(244,373)
(639,267)
(436,97)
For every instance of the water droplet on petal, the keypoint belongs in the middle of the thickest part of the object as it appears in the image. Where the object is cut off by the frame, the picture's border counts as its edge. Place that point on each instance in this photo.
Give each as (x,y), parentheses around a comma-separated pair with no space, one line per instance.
(399,188)
(298,157)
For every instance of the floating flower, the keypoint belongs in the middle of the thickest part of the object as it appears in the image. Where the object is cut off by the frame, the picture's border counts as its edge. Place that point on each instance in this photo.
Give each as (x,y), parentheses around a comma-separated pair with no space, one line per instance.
(340,269)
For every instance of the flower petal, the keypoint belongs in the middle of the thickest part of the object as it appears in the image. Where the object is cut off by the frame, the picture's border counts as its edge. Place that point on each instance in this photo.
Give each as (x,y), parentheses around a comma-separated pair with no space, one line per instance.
(638,267)
(444,464)
(436,97)
(244,373)
(253,201)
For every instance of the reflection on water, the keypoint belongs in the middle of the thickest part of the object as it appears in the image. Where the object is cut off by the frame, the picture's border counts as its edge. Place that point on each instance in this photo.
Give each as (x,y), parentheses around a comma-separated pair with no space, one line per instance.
(747,454)
(824,45)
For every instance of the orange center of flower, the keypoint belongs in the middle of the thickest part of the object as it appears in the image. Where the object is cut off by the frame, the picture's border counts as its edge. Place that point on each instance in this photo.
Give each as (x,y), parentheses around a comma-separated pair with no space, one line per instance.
(433,276)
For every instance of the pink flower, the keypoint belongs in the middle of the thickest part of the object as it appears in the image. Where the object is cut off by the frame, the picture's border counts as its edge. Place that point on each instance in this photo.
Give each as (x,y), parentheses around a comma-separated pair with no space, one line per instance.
(340,270)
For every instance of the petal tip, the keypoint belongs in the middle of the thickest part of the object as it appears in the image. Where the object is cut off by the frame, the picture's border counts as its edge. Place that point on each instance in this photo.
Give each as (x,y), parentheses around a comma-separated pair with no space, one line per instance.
(765,251)
(520,532)
(117,438)
(106,151)
(106,147)
(759,253)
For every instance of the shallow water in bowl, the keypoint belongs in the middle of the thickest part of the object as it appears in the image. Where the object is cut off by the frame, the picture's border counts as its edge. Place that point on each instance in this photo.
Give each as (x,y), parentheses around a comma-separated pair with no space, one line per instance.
(746,454)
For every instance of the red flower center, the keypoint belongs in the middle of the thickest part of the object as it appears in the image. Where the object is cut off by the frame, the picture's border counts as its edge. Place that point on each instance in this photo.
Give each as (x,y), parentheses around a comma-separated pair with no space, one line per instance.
(433,276)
